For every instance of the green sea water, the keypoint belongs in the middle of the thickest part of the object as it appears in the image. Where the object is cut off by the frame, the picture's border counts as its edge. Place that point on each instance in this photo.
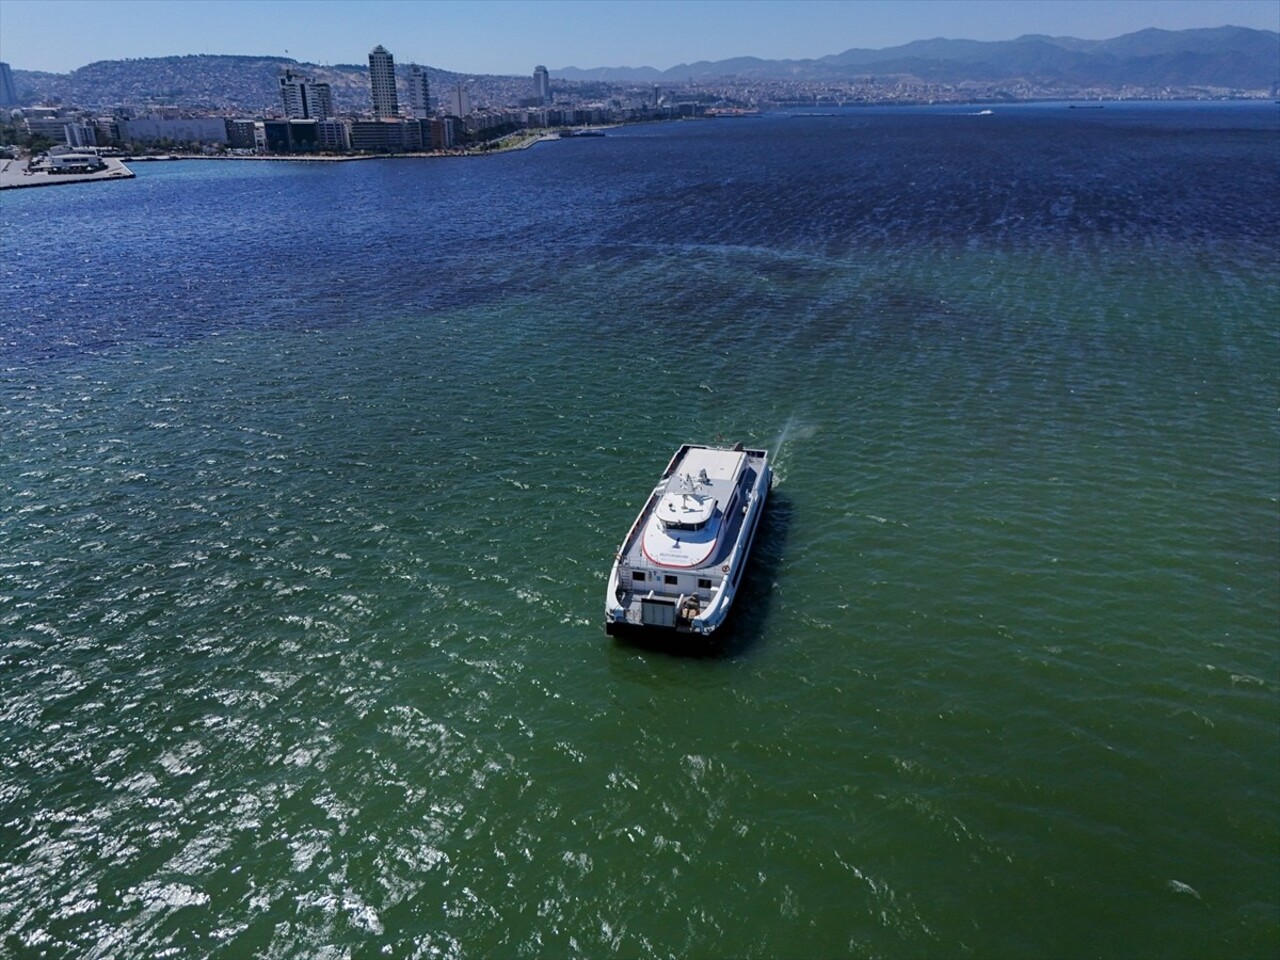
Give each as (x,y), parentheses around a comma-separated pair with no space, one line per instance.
(302,583)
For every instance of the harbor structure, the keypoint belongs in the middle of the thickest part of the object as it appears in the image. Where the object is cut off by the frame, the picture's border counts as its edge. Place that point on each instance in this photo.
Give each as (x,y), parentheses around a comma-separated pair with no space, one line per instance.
(382,83)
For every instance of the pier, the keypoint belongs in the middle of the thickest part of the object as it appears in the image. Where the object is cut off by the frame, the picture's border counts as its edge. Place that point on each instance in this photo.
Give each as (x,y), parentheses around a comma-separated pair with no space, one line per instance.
(15,174)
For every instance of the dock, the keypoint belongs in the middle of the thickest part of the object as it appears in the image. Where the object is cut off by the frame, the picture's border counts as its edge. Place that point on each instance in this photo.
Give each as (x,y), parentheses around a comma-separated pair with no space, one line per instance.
(15,174)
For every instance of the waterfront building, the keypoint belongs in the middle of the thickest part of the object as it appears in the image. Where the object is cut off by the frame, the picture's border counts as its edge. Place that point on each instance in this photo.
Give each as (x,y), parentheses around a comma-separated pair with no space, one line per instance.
(186,130)
(8,92)
(411,139)
(370,136)
(333,135)
(419,92)
(276,134)
(386,136)
(291,136)
(443,133)
(541,83)
(304,136)
(241,134)
(382,83)
(304,99)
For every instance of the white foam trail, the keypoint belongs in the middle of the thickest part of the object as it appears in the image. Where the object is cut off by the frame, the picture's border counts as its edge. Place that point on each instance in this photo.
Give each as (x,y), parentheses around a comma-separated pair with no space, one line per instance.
(786,432)
(791,430)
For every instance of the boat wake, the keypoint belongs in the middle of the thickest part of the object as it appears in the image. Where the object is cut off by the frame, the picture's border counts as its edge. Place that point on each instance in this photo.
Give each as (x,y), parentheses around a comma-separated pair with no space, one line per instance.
(791,430)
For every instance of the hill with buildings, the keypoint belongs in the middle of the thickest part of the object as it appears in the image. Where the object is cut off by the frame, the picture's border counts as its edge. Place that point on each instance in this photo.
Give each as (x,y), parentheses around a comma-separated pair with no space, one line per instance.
(245,84)
(1230,57)
(1217,61)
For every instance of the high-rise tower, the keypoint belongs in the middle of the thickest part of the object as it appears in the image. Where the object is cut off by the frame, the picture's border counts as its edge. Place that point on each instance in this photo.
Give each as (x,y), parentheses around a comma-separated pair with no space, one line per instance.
(8,94)
(541,83)
(460,101)
(382,83)
(304,100)
(419,92)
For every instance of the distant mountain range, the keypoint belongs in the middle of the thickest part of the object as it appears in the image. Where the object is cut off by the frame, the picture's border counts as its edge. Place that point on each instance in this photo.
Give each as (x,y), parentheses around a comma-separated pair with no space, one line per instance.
(1219,57)
(1223,57)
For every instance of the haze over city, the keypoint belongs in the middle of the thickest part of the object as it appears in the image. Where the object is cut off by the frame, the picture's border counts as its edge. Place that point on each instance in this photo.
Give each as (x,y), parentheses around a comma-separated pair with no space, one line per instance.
(509,37)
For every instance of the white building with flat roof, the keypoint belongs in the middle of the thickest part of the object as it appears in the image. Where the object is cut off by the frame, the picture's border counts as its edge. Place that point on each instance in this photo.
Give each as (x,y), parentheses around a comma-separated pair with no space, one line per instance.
(76,163)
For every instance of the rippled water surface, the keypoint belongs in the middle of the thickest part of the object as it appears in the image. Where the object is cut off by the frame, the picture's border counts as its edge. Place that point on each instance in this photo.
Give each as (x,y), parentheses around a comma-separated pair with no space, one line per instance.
(311,475)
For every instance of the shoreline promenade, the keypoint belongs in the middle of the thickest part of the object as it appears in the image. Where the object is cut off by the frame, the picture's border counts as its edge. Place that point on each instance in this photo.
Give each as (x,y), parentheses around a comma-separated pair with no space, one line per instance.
(15,174)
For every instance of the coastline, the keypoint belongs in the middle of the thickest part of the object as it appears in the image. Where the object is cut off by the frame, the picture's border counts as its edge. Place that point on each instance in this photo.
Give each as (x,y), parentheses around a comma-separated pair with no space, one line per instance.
(520,142)
(15,173)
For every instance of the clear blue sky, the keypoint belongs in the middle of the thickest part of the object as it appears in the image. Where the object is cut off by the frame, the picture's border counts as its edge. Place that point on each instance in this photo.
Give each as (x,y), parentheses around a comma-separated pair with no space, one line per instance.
(512,36)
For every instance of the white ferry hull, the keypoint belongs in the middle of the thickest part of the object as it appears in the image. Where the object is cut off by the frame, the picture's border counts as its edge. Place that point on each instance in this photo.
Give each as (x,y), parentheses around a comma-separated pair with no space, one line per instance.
(680,566)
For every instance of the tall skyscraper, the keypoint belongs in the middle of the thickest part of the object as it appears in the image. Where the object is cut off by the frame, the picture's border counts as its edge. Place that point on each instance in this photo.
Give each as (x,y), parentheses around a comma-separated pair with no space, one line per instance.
(541,83)
(460,101)
(304,100)
(419,92)
(8,92)
(382,83)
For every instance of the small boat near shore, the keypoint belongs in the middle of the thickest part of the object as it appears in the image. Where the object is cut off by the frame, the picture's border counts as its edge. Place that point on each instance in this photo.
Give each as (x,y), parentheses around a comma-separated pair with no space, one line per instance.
(681,563)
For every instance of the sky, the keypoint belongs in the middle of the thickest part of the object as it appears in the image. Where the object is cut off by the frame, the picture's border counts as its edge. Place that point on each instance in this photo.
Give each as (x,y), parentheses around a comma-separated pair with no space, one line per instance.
(512,36)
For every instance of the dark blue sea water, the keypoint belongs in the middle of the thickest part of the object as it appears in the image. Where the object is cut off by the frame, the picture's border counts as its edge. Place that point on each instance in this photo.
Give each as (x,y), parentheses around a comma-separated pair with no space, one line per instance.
(311,475)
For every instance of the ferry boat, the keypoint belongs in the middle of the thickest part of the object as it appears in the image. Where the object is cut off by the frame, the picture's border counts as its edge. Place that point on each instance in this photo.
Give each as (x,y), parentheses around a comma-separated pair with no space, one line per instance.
(681,564)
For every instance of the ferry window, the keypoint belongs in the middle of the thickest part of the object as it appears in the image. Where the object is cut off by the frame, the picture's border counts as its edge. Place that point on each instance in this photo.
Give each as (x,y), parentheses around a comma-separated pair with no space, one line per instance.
(677,525)
(637,574)
(704,584)
(671,579)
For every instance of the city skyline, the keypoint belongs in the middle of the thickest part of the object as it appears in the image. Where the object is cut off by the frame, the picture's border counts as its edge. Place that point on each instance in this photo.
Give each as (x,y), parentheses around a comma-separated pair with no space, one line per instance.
(61,35)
